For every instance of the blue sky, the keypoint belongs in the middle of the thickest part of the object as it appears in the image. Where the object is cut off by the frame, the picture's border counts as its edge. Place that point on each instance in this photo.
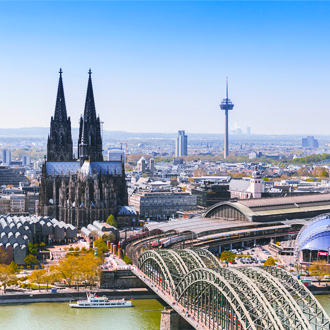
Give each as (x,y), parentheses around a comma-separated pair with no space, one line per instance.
(161,66)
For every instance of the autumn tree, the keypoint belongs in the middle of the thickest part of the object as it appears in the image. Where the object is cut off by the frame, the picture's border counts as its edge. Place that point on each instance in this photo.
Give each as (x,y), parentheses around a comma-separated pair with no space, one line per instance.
(67,268)
(31,260)
(38,277)
(320,171)
(6,276)
(270,262)
(318,269)
(90,267)
(227,256)
(303,171)
(199,172)
(3,256)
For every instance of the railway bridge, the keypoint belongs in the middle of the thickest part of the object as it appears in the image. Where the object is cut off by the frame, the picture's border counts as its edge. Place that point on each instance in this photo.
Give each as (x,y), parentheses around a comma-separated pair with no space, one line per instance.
(209,296)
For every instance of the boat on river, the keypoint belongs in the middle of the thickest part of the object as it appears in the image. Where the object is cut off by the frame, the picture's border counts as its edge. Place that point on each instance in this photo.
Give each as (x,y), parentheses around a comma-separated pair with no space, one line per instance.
(93,301)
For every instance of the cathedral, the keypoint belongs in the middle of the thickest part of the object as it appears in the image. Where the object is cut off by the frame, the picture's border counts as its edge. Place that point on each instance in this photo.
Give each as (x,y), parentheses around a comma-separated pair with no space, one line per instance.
(79,191)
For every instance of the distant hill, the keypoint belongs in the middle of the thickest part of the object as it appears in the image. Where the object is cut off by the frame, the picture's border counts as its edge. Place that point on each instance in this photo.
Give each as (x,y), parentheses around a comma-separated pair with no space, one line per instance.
(42,132)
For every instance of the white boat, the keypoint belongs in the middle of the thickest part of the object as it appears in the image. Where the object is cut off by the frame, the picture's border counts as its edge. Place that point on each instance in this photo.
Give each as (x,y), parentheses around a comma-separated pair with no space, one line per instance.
(93,301)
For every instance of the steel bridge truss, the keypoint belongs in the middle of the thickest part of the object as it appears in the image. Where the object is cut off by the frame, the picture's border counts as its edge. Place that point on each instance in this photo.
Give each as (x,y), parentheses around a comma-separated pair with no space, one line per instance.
(252,298)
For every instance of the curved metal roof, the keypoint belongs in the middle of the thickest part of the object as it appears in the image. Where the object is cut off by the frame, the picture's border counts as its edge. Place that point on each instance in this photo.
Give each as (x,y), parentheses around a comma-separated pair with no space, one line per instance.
(319,241)
(252,297)
(315,235)
(313,226)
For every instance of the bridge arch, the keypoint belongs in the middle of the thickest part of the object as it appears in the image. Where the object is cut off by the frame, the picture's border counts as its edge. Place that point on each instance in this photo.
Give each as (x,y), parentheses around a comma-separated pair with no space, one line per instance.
(204,292)
(255,298)
(154,266)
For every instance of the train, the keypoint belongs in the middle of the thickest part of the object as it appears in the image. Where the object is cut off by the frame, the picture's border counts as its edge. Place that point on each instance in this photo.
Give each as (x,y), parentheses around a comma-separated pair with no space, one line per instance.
(132,238)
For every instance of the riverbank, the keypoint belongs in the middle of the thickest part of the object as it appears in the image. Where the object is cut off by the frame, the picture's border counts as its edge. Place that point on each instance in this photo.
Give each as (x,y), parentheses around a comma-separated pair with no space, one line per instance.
(38,297)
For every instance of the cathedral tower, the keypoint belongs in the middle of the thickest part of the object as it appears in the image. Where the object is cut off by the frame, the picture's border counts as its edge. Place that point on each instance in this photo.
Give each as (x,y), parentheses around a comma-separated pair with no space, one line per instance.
(59,144)
(90,129)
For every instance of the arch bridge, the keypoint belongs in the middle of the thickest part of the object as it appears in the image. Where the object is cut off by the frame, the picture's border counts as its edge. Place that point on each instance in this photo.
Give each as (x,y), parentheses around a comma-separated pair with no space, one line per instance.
(256,298)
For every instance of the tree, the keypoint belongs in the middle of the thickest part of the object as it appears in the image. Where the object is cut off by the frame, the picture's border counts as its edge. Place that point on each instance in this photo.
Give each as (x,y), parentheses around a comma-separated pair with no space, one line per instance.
(38,276)
(199,172)
(13,268)
(31,260)
(318,269)
(67,269)
(269,262)
(6,276)
(112,221)
(90,267)
(33,249)
(101,245)
(227,256)
(109,237)
(3,256)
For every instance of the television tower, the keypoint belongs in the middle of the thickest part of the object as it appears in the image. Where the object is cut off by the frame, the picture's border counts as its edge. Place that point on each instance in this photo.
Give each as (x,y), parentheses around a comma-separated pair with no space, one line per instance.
(226,105)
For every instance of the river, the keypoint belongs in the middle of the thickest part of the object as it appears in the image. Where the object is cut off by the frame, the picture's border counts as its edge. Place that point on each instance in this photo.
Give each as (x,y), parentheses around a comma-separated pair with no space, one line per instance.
(145,315)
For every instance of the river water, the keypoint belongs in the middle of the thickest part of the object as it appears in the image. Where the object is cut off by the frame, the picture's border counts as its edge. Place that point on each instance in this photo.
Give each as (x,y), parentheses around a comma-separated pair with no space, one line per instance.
(145,315)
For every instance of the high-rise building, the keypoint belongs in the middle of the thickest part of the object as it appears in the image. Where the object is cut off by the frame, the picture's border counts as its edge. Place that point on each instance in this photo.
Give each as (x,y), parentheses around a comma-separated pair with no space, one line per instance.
(226,105)
(181,145)
(6,156)
(310,142)
(248,130)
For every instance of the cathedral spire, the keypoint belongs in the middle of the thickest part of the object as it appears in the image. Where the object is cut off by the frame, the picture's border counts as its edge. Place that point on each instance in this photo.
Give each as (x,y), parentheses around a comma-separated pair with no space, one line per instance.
(90,127)
(90,112)
(60,108)
(59,144)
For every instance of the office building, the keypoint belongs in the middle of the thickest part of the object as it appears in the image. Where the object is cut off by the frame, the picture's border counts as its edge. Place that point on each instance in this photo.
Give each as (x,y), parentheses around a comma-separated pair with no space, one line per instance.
(6,156)
(310,142)
(181,145)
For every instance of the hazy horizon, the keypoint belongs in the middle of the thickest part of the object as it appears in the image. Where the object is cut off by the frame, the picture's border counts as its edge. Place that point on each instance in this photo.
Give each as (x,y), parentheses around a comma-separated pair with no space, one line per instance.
(161,66)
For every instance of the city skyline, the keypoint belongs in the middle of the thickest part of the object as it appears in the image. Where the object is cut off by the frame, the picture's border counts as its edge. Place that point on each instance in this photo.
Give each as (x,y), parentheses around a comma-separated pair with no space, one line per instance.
(167,60)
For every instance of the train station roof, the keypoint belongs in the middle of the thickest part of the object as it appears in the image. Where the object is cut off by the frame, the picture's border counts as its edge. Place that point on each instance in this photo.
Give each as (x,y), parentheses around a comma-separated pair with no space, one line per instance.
(199,226)
(272,209)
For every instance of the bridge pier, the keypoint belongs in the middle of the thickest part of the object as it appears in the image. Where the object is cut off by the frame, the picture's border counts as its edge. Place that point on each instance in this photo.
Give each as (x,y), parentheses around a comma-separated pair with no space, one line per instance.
(243,244)
(171,320)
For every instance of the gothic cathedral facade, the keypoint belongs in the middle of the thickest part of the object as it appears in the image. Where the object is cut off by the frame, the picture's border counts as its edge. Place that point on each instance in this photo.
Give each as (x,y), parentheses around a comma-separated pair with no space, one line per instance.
(79,191)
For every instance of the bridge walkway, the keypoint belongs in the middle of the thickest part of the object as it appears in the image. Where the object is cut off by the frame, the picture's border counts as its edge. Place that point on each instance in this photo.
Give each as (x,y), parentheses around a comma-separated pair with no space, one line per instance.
(181,310)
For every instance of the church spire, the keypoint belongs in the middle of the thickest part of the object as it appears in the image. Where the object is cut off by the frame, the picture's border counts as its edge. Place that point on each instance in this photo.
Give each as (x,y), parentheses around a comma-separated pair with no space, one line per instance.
(60,108)
(59,144)
(90,112)
(90,127)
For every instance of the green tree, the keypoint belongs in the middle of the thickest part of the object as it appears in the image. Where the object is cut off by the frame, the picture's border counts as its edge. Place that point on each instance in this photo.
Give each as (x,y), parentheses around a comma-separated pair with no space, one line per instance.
(101,245)
(112,221)
(31,260)
(109,237)
(269,262)
(33,249)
